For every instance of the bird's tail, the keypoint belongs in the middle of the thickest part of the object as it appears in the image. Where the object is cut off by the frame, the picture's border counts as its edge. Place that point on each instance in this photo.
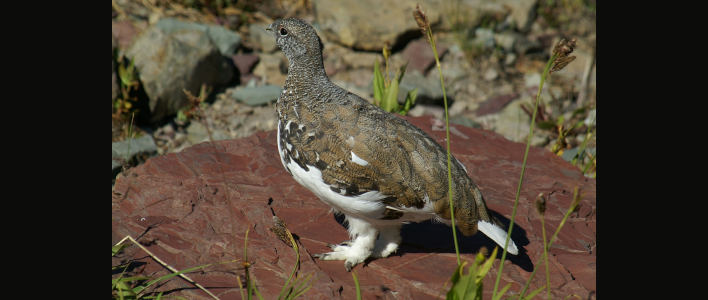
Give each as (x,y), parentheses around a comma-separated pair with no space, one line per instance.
(498,235)
(489,225)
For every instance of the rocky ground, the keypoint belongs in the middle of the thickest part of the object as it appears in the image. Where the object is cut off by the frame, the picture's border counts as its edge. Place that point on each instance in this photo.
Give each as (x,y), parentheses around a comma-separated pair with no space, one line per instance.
(492,57)
(490,68)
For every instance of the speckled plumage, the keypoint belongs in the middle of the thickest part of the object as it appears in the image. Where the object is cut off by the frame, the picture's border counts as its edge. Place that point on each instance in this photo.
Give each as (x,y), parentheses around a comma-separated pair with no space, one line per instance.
(375,168)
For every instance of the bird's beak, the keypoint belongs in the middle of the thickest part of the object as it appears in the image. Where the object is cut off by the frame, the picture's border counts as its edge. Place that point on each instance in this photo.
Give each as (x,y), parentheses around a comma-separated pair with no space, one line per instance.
(269,28)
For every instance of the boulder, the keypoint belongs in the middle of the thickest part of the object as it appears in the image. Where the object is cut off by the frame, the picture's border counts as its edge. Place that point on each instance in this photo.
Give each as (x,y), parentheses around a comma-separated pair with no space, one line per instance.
(225,40)
(391,21)
(143,145)
(195,207)
(168,62)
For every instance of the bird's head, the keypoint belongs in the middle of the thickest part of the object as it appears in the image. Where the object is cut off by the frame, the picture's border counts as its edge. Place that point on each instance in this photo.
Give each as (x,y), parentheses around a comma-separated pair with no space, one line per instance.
(296,38)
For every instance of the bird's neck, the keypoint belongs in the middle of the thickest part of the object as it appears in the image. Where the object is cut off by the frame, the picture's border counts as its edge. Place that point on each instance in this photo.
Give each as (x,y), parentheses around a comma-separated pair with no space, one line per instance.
(307,78)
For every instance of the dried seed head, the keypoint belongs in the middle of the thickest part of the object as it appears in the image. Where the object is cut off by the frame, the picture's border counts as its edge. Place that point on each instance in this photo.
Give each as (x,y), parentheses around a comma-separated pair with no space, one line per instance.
(281,231)
(562,50)
(540,204)
(422,21)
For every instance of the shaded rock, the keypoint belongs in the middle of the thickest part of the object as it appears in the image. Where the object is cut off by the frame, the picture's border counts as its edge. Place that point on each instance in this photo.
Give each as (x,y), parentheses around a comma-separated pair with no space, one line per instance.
(194,207)
(429,90)
(420,55)
(495,104)
(225,40)
(140,146)
(256,96)
(392,20)
(262,38)
(124,33)
(167,63)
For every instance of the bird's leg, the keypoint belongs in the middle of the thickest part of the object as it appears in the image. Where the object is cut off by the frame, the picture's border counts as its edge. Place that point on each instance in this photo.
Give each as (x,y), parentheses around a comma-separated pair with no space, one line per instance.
(389,239)
(359,250)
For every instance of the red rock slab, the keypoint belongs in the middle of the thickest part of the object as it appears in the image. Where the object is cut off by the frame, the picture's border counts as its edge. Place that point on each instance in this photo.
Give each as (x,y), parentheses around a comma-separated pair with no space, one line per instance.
(194,207)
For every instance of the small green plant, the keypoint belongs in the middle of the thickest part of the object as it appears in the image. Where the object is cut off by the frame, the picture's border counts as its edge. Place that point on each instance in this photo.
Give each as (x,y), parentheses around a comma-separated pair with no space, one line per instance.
(123,104)
(386,90)
(128,81)
(195,106)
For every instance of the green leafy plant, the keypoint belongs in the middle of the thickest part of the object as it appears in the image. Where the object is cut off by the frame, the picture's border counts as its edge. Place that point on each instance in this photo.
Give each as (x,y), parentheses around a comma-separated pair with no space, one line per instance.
(128,81)
(386,90)
(123,104)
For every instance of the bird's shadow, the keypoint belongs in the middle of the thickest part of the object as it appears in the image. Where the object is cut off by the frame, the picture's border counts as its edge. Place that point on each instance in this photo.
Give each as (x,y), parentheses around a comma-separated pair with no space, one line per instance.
(429,237)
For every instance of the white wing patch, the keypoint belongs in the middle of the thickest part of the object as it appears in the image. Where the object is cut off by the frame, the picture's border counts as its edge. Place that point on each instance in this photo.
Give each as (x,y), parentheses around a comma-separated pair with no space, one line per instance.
(358,160)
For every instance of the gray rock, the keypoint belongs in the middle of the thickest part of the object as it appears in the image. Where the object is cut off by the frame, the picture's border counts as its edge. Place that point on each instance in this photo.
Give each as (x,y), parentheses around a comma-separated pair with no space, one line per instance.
(196,133)
(257,96)
(341,21)
(225,40)
(514,42)
(262,37)
(169,62)
(569,154)
(464,121)
(429,90)
(142,145)
(357,60)
(513,122)
(427,110)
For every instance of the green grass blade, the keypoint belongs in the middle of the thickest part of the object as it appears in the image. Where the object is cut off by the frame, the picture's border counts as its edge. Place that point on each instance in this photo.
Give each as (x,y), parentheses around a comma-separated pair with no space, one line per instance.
(302,288)
(523,170)
(378,83)
(356,285)
(257,292)
(403,71)
(389,102)
(141,288)
(484,269)
(502,292)
(410,100)
(534,293)
(128,279)
(116,249)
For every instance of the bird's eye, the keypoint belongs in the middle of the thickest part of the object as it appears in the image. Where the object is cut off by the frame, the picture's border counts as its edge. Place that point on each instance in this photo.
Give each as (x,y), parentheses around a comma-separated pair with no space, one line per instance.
(283,32)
